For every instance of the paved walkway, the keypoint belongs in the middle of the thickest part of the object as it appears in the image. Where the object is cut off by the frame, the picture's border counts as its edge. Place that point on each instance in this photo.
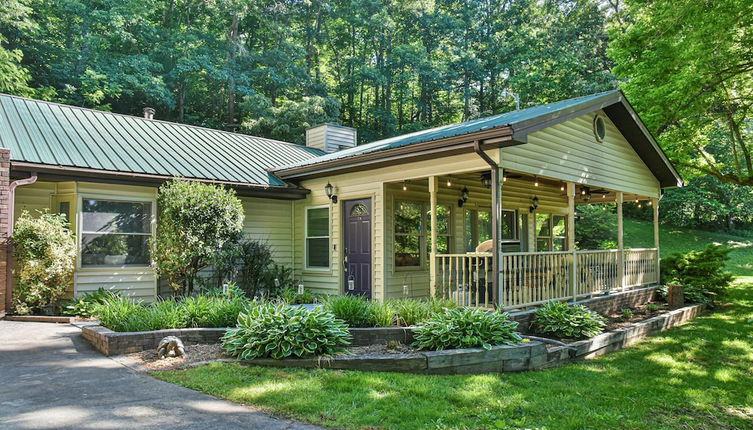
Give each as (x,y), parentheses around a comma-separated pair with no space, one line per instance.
(50,378)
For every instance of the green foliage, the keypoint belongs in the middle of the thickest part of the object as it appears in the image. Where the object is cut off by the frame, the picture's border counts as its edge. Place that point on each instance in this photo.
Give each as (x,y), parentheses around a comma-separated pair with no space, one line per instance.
(257,273)
(45,255)
(690,79)
(381,314)
(199,225)
(355,311)
(563,321)
(653,307)
(411,312)
(701,273)
(710,204)
(466,328)
(280,330)
(626,313)
(595,228)
(289,120)
(291,296)
(84,306)
(120,313)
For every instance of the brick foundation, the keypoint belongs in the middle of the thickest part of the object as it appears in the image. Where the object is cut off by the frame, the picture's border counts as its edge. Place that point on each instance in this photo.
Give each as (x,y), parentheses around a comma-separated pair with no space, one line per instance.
(5,294)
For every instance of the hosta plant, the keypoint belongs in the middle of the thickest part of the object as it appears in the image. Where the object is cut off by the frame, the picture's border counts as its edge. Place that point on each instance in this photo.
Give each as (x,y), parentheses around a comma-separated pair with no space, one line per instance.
(563,321)
(466,328)
(278,330)
(84,306)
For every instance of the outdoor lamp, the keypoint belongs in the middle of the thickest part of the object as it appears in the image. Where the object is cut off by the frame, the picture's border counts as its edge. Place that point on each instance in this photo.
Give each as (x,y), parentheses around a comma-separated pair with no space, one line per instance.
(486,180)
(330,191)
(463,197)
(534,204)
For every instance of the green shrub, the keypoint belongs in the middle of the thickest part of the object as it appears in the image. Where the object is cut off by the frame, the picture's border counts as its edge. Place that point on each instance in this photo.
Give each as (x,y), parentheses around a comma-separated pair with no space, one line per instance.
(381,314)
(701,273)
(653,307)
(122,314)
(212,311)
(45,255)
(199,225)
(411,312)
(561,320)
(256,272)
(84,306)
(626,313)
(280,330)
(354,310)
(291,296)
(466,328)
(164,314)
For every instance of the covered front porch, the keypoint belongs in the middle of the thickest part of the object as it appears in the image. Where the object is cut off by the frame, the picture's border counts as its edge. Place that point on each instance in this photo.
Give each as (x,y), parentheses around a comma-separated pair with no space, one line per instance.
(505,239)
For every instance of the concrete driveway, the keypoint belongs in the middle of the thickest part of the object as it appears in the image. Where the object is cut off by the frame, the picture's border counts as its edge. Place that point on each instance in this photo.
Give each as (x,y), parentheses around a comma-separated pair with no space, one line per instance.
(50,378)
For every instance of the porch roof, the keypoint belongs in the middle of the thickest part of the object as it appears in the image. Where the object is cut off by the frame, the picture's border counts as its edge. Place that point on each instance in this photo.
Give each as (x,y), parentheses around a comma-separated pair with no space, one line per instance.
(512,128)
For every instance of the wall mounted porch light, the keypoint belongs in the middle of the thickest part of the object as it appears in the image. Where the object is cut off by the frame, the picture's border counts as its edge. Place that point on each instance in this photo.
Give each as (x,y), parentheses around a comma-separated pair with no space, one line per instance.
(330,191)
(534,204)
(486,179)
(463,197)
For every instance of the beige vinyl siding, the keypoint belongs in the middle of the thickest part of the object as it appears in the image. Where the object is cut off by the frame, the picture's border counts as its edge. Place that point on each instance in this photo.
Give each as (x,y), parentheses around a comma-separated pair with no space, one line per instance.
(569,151)
(33,198)
(270,221)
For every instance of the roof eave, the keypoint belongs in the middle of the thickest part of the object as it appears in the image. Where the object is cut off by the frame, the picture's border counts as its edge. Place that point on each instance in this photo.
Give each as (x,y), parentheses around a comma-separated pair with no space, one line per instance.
(493,137)
(68,173)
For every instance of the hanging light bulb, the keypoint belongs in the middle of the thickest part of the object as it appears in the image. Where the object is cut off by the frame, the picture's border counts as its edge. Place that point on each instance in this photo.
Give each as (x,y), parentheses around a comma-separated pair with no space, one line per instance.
(640,205)
(582,191)
(405,185)
(504,178)
(649,202)
(449,182)
(536,182)
(562,187)
(603,196)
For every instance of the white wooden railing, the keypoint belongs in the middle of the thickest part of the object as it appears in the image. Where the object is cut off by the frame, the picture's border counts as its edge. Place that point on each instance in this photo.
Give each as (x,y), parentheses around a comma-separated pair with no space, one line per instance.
(531,278)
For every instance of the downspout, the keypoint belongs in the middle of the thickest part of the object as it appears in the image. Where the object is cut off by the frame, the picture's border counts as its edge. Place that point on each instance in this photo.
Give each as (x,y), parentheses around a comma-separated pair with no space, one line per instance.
(496,215)
(9,254)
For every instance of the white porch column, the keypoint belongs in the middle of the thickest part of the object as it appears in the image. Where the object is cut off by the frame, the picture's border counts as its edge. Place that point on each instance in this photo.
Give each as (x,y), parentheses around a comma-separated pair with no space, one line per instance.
(620,242)
(571,238)
(655,204)
(433,188)
(497,181)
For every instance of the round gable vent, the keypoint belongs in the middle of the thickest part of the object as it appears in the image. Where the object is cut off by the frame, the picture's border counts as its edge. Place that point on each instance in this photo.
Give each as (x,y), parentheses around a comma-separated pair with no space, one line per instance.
(600,128)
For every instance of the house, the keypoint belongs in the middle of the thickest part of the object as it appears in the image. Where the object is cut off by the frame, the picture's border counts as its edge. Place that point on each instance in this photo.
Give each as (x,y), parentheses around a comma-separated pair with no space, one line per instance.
(502,192)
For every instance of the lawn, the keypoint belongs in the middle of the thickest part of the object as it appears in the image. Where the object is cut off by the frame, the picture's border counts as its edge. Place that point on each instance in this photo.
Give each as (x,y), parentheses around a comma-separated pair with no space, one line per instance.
(698,376)
(640,234)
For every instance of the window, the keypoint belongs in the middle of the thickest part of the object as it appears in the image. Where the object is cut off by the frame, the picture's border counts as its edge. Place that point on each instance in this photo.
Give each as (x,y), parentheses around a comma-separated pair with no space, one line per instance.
(317,237)
(409,233)
(443,232)
(115,233)
(600,128)
(551,232)
(478,227)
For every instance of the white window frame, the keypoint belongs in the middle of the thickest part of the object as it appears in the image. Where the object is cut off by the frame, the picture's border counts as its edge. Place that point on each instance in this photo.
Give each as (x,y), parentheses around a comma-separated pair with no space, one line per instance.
(306,238)
(80,229)
(551,237)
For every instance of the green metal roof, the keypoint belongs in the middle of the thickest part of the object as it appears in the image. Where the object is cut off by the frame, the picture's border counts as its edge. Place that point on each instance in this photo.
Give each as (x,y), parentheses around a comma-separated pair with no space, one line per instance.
(68,136)
(473,126)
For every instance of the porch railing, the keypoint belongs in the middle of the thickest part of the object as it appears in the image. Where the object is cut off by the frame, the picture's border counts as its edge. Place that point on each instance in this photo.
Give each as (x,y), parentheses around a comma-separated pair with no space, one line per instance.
(531,278)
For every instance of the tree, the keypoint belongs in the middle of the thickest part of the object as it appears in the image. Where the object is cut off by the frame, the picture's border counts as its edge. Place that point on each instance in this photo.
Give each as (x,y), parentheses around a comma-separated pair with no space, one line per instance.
(596,227)
(45,253)
(199,225)
(14,77)
(688,69)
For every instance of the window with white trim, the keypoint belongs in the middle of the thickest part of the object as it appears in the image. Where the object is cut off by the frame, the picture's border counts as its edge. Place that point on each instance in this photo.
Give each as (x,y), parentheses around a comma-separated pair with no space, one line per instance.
(551,232)
(115,233)
(317,237)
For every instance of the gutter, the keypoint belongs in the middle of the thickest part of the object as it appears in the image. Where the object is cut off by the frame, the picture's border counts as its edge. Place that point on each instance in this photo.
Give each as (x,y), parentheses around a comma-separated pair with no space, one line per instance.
(9,233)
(496,215)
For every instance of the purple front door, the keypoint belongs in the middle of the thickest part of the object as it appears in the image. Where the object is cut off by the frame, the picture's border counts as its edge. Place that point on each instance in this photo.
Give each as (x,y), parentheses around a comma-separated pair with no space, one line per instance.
(357,240)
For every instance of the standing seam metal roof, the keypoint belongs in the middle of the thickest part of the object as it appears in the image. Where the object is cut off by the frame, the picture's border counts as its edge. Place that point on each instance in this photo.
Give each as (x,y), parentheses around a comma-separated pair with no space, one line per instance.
(60,135)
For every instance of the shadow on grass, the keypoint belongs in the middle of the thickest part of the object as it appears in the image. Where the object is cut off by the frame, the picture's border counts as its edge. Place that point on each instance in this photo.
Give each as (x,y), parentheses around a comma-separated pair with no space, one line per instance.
(693,377)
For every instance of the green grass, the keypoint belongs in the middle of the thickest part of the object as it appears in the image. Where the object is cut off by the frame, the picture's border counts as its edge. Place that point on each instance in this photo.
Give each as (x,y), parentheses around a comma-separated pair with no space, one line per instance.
(640,234)
(698,376)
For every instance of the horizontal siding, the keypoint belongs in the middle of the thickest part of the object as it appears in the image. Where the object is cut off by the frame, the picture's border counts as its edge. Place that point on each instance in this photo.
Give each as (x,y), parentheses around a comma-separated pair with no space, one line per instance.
(569,151)
(270,221)
(33,198)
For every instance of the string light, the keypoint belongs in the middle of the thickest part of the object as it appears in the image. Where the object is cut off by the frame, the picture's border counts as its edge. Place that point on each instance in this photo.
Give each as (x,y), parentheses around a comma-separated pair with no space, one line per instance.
(405,185)
(536,183)
(449,183)
(603,196)
(649,202)
(504,178)
(562,187)
(583,192)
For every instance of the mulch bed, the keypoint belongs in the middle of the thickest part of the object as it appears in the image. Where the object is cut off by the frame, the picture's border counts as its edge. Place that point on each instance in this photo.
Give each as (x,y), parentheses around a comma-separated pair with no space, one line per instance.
(383,348)
(640,313)
(149,361)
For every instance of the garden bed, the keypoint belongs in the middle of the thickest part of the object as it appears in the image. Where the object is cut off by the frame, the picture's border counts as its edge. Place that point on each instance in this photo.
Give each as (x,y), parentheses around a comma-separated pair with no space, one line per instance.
(393,356)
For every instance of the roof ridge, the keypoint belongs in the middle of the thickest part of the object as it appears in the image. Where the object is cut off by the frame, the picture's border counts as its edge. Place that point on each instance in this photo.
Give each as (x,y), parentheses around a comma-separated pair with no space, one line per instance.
(146,119)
